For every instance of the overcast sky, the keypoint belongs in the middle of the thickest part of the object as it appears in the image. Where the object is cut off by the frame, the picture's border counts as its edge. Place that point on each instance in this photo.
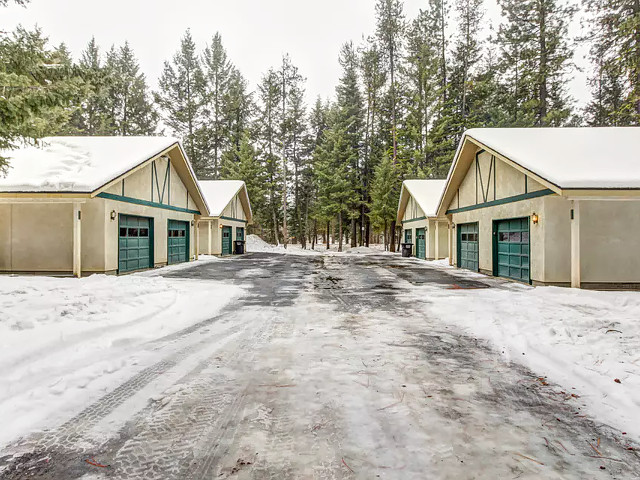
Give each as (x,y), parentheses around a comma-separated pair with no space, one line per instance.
(256,33)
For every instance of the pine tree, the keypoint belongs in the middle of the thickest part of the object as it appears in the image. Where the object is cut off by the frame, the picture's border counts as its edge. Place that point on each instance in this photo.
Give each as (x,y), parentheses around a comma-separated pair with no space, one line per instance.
(267,128)
(384,197)
(218,72)
(248,168)
(181,98)
(420,71)
(390,29)
(373,77)
(92,118)
(467,52)
(537,60)
(133,112)
(350,117)
(608,107)
(38,89)
(615,36)
(335,191)
(240,109)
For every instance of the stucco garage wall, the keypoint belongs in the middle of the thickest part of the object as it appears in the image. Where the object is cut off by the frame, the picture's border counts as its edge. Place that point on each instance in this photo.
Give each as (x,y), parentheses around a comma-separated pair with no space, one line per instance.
(36,237)
(94,220)
(206,230)
(610,241)
(485,217)
(555,217)
(5,237)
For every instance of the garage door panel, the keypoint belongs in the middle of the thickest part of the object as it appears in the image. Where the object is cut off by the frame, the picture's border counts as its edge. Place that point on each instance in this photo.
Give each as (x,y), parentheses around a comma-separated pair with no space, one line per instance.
(177,242)
(468,246)
(511,249)
(134,243)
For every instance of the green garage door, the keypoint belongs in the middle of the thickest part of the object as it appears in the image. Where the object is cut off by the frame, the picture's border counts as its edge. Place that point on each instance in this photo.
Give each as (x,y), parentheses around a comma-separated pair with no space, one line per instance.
(135,250)
(468,246)
(178,242)
(239,233)
(226,241)
(421,243)
(511,249)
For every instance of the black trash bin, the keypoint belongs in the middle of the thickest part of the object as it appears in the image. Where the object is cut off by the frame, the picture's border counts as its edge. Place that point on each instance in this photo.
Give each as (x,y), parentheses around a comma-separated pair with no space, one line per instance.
(239,246)
(407,248)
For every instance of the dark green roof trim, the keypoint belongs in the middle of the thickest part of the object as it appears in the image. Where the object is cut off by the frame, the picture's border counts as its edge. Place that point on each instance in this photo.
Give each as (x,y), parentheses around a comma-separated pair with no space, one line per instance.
(502,201)
(233,219)
(414,220)
(146,203)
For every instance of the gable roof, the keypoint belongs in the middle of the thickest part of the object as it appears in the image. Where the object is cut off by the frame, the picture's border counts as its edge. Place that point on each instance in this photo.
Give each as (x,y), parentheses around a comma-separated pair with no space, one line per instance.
(219,194)
(86,165)
(77,164)
(581,158)
(604,157)
(425,192)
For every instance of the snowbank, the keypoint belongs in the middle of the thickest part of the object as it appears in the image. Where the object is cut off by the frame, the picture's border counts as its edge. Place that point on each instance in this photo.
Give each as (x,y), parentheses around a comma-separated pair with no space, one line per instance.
(64,341)
(585,341)
(256,244)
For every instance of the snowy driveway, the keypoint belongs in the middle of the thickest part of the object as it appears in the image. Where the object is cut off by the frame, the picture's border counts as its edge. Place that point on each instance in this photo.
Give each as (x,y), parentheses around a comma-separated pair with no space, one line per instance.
(328,367)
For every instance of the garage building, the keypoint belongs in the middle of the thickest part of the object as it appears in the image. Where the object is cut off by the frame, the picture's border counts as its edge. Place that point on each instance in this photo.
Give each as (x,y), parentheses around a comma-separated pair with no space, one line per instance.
(547,206)
(420,224)
(229,215)
(98,204)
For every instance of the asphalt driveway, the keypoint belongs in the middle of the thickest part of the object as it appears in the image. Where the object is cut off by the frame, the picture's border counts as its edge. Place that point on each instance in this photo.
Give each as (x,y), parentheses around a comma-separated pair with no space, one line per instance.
(330,368)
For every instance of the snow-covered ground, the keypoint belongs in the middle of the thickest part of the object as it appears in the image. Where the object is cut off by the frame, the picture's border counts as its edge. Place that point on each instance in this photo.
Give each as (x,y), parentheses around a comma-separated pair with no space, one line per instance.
(64,342)
(586,341)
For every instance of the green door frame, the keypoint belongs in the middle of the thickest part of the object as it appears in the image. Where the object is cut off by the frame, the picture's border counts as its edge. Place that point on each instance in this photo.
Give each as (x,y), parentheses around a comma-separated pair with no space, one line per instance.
(151,240)
(187,237)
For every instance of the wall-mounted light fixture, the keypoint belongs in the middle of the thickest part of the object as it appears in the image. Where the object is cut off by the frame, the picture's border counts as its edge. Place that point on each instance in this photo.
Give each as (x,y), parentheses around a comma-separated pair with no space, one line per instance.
(535,218)
(113,215)
(220,226)
(193,222)
(453,225)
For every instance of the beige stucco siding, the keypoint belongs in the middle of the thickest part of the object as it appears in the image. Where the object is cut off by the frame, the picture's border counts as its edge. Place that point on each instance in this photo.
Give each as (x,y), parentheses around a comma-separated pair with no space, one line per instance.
(492,179)
(610,241)
(93,225)
(234,209)
(36,237)
(412,210)
(153,184)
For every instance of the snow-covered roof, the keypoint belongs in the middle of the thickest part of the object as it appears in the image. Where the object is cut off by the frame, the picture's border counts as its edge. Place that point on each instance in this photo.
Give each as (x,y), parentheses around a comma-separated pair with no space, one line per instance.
(218,194)
(77,164)
(601,158)
(425,192)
